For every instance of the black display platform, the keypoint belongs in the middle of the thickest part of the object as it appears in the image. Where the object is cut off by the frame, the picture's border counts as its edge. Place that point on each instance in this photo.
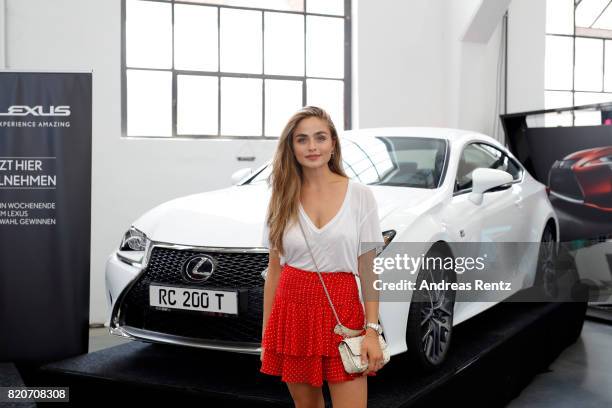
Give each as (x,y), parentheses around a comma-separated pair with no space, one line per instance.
(10,377)
(493,357)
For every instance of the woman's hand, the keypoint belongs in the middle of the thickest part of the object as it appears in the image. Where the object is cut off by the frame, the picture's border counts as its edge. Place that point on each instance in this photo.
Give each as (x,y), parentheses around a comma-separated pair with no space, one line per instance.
(371,352)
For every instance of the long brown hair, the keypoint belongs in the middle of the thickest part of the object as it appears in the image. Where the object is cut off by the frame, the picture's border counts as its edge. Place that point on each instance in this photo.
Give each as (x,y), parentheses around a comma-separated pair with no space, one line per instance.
(286,176)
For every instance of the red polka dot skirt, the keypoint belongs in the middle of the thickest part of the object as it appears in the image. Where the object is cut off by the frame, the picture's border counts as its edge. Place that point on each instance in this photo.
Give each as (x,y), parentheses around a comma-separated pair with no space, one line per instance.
(299,343)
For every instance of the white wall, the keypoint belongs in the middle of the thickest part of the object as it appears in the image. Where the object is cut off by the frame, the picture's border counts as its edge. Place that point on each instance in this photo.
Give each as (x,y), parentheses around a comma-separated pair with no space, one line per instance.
(2,30)
(402,57)
(411,68)
(472,68)
(526,42)
(415,69)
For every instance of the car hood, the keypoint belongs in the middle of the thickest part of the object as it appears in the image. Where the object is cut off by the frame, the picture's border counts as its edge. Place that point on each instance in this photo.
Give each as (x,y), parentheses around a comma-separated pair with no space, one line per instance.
(234,216)
(589,154)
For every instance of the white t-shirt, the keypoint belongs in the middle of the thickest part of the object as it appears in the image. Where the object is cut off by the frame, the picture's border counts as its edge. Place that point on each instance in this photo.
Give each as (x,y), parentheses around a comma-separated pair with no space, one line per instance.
(355,229)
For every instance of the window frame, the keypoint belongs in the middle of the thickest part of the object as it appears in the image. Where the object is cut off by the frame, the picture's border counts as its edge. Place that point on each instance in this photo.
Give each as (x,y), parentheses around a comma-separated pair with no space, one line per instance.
(520,167)
(347,80)
(586,33)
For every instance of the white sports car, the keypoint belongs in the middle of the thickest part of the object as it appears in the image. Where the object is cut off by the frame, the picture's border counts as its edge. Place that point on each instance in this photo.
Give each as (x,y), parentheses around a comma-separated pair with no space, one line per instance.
(189,271)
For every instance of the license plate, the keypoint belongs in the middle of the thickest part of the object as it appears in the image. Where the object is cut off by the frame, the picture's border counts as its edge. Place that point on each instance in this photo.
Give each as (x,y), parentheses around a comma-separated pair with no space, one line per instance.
(204,300)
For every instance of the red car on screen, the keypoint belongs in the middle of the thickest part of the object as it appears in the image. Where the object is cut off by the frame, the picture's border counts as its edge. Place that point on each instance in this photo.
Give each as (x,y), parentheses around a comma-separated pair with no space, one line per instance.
(584,177)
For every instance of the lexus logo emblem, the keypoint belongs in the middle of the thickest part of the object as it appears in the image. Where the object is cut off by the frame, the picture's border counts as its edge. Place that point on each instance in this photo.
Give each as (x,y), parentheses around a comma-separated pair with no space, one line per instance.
(199,268)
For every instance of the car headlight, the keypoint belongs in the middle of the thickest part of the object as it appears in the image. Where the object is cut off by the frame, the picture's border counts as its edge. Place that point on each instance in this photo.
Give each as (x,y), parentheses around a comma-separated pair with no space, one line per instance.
(387,238)
(133,247)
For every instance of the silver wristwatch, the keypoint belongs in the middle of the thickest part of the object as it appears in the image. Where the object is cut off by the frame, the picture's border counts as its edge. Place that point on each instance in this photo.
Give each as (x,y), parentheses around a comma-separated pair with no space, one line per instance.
(377,327)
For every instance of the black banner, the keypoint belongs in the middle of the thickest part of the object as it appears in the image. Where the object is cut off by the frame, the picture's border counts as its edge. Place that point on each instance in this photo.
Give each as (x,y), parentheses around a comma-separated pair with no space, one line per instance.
(45,214)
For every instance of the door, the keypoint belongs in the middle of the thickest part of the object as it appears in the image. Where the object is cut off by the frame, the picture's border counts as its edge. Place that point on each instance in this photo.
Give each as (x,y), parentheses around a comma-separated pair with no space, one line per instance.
(490,231)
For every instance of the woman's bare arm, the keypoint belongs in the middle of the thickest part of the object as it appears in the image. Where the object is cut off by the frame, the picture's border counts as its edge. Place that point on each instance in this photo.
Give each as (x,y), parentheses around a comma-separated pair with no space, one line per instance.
(367,277)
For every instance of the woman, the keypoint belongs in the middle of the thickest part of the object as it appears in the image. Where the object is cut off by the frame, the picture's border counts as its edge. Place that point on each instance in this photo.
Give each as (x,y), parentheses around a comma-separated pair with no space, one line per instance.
(337,215)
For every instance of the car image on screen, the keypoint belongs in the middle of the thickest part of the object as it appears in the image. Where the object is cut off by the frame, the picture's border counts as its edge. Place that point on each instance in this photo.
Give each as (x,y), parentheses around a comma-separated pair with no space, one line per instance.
(584,177)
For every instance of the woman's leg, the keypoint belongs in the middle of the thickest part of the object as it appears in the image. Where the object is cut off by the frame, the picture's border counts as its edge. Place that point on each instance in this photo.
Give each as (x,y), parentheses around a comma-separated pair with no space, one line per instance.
(349,394)
(306,396)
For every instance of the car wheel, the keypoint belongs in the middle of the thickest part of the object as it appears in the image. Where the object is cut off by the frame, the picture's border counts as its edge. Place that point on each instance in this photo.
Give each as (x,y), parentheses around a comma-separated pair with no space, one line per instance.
(546,276)
(430,320)
(558,281)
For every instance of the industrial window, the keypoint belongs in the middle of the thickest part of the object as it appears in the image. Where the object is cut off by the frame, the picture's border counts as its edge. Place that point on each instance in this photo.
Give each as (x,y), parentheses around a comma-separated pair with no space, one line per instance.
(578,60)
(232,68)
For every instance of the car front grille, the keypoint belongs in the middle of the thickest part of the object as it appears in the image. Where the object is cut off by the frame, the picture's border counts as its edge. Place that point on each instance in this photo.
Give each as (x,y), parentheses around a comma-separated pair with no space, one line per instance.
(563,181)
(234,271)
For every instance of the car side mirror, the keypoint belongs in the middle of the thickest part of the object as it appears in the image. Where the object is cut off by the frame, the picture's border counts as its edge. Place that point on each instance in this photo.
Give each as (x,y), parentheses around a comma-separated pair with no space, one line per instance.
(240,174)
(486,179)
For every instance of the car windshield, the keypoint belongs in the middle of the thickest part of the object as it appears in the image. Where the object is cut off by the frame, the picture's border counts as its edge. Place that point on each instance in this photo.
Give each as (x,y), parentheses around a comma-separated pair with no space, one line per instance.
(388,161)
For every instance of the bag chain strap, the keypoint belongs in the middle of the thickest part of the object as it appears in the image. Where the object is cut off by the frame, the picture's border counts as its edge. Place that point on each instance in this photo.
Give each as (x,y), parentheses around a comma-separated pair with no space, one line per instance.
(323,283)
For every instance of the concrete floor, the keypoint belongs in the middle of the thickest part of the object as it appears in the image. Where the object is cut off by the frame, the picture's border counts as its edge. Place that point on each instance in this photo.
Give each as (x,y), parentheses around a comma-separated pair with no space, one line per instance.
(580,377)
